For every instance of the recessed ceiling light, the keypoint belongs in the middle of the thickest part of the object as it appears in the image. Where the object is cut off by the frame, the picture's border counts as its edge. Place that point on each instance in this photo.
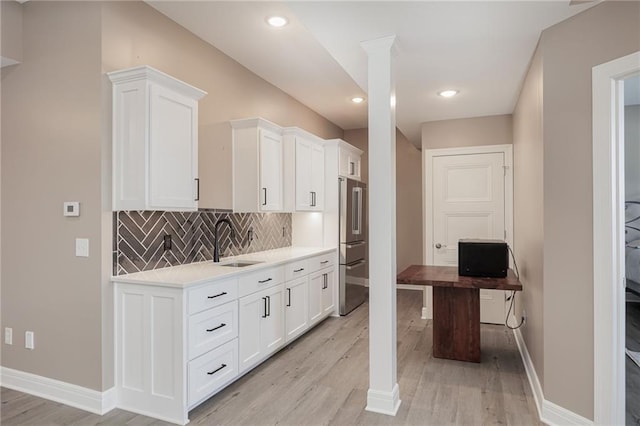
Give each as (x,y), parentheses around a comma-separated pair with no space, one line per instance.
(448,93)
(277,21)
(357,100)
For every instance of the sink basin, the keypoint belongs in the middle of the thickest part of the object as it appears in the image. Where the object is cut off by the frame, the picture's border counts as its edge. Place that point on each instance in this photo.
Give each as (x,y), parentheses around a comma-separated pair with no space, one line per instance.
(241,263)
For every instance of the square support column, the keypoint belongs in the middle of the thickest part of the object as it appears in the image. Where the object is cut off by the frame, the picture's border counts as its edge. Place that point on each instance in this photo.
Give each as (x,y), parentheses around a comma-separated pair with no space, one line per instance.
(383,395)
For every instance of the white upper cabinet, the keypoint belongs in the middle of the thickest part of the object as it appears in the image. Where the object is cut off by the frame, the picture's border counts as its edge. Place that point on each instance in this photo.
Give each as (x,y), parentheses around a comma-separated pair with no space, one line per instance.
(257,166)
(349,159)
(307,163)
(155,141)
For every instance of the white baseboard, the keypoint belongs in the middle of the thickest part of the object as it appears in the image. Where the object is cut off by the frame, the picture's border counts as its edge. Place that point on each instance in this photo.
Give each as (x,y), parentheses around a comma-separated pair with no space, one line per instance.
(548,412)
(384,402)
(55,390)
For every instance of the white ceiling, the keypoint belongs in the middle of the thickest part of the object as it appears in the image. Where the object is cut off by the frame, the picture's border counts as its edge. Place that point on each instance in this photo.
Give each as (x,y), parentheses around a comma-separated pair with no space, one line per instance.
(481,48)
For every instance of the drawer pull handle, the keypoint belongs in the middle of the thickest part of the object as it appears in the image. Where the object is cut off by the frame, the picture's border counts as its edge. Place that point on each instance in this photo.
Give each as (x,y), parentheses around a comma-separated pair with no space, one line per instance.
(209,330)
(265,281)
(216,370)
(217,295)
(298,270)
(322,263)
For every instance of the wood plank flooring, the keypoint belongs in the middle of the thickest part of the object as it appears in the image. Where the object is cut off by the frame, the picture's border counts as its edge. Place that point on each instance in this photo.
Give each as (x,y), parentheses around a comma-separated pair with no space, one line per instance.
(322,379)
(631,369)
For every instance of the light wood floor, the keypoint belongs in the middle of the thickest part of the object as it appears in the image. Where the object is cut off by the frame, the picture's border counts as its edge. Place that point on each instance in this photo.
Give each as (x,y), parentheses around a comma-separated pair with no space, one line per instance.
(322,378)
(631,369)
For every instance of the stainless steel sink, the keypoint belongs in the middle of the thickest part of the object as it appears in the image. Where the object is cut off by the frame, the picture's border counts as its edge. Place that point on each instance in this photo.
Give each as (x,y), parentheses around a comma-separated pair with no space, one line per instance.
(241,263)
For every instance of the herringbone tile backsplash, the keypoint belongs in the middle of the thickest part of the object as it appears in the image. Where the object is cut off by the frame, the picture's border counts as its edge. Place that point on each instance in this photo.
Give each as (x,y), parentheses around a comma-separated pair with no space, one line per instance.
(139,237)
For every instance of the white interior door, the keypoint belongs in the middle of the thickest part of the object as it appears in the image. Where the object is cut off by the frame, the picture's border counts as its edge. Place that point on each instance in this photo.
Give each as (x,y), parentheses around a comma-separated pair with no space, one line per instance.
(469,202)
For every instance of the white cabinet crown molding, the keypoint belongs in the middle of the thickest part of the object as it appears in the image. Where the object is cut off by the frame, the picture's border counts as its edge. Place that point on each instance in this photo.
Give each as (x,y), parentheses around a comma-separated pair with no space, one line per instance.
(245,123)
(145,72)
(343,145)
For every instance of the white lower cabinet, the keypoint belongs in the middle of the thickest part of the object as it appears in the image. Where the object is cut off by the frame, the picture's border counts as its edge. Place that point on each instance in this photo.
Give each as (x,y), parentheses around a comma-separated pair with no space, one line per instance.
(261,325)
(296,314)
(321,295)
(178,346)
(213,370)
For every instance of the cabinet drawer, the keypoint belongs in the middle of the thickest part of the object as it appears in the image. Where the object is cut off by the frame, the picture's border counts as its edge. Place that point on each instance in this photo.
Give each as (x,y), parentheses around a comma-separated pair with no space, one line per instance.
(323,261)
(213,327)
(212,371)
(210,295)
(259,280)
(295,270)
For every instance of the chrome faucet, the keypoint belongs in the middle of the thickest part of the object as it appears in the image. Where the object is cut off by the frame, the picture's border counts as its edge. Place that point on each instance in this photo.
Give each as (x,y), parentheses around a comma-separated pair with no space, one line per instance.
(216,243)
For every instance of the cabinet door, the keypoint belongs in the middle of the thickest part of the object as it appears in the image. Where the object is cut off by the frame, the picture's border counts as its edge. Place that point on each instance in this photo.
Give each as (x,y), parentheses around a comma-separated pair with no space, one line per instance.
(270,171)
(252,310)
(316,284)
(328,292)
(173,150)
(296,295)
(317,177)
(272,327)
(304,170)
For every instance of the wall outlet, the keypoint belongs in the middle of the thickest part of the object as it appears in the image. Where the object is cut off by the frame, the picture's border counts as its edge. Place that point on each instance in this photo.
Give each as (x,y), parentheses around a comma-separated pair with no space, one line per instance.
(29,340)
(82,247)
(8,336)
(524,316)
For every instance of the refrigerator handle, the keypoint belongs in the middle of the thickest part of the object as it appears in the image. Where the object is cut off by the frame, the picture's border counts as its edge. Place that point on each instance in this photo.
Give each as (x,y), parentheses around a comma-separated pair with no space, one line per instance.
(356,212)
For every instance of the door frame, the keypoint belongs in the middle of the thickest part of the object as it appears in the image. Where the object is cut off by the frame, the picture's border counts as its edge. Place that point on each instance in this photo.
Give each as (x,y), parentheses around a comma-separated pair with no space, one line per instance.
(608,237)
(427,174)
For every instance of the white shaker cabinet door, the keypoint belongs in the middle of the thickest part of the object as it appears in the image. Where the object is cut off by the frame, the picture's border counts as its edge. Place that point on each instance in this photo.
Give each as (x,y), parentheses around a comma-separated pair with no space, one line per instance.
(296,307)
(270,171)
(173,150)
(316,284)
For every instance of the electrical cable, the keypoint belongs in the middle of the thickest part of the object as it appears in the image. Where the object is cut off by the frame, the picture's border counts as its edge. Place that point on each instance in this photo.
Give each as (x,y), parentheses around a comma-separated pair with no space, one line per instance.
(513,295)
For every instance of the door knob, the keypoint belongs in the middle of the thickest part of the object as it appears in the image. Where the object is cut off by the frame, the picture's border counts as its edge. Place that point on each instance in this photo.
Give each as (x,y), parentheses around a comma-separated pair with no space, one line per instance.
(438,245)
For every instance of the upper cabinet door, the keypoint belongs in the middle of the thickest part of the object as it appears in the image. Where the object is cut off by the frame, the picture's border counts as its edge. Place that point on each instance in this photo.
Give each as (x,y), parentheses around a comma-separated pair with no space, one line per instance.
(270,171)
(309,176)
(257,166)
(173,150)
(304,165)
(317,176)
(155,141)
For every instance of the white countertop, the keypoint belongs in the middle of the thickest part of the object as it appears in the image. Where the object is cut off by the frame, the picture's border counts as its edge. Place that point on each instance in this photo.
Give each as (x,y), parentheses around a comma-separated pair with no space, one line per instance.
(192,274)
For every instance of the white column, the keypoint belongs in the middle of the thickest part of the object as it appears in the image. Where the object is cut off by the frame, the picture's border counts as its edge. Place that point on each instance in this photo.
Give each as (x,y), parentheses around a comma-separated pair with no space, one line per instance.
(383,396)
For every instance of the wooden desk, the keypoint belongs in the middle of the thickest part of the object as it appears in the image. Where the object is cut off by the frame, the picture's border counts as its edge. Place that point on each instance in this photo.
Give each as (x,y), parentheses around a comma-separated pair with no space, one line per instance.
(456,307)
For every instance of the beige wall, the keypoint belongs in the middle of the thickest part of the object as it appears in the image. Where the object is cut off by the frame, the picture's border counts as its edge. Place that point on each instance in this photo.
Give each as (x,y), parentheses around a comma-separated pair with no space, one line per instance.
(11,30)
(528,200)
(408,194)
(135,34)
(570,50)
(475,131)
(56,147)
(51,153)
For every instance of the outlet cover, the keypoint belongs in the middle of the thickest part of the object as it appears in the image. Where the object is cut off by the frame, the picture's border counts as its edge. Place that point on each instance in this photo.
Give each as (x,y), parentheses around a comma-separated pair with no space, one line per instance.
(8,336)
(29,340)
(82,247)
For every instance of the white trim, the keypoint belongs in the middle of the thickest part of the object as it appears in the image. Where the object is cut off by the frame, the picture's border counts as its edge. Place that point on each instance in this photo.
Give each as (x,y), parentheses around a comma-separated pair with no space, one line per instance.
(548,412)
(536,388)
(384,402)
(55,390)
(608,242)
(427,175)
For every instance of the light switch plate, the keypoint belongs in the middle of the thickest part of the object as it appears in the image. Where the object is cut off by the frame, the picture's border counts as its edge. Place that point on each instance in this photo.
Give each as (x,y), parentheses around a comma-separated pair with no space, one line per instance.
(71,208)
(29,342)
(82,247)
(8,336)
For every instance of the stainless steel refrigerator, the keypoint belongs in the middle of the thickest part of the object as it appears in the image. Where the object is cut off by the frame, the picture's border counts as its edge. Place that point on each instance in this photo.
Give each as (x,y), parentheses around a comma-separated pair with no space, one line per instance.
(354,269)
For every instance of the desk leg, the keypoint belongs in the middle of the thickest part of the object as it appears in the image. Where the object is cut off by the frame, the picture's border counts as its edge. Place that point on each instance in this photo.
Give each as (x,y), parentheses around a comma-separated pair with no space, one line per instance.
(456,323)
